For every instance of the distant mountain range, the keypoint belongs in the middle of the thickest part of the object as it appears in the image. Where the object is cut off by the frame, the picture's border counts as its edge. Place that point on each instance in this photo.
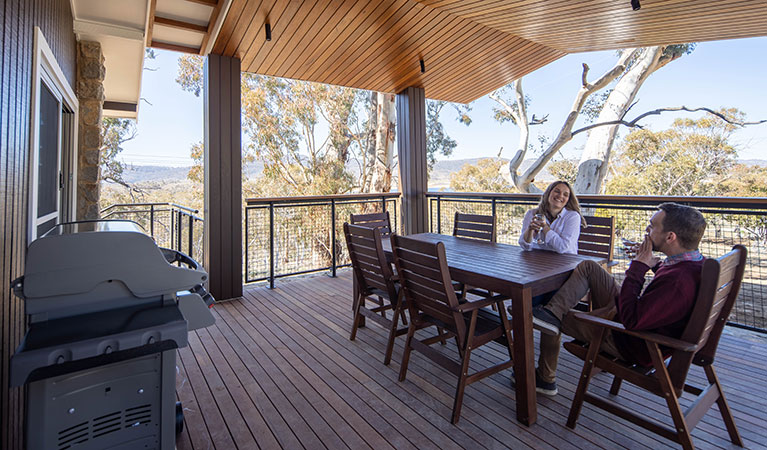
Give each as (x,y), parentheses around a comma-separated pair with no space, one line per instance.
(439,177)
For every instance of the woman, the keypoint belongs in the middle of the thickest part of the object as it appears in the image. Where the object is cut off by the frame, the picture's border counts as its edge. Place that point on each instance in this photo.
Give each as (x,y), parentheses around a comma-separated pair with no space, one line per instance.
(560,223)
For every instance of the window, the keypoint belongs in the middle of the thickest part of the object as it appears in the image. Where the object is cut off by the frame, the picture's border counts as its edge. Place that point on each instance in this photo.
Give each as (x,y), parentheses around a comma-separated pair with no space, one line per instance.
(54,130)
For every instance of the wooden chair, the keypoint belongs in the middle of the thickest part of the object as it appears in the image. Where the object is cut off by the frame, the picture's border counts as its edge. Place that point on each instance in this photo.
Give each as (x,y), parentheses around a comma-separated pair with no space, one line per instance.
(720,283)
(373,220)
(596,239)
(478,227)
(374,277)
(474,226)
(425,281)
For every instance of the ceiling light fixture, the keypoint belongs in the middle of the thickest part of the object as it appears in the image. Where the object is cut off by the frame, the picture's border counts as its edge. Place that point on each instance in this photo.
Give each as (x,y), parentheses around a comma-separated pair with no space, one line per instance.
(423,67)
(268,31)
(635,5)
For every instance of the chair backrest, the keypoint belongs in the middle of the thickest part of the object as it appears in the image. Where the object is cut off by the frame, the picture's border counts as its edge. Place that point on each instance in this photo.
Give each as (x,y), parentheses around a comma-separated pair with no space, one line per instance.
(371,269)
(373,220)
(474,226)
(425,279)
(719,287)
(597,238)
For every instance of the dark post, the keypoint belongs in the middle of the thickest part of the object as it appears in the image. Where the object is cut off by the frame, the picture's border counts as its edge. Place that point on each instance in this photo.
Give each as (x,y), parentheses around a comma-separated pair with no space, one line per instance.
(271,245)
(411,151)
(179,227)
(333,235)
(151,220)
(223,176)
(439,215)
(191,235)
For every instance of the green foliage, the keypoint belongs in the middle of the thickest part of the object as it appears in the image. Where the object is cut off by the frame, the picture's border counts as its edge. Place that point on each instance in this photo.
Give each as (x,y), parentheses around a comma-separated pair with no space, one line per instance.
(747,181)
(485,176)
(280,118)
(690,158)
(564,169)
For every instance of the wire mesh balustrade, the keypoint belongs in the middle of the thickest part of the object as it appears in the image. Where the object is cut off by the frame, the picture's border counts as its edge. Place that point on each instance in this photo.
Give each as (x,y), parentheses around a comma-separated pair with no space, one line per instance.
(730,221)
(171,225)
(295,235)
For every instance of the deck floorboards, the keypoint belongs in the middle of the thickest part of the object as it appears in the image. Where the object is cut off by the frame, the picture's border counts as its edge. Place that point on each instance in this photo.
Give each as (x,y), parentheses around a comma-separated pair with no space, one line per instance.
(278,370)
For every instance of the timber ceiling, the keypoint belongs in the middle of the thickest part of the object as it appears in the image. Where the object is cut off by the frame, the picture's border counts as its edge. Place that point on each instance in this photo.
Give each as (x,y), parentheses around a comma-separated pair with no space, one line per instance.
(469,47)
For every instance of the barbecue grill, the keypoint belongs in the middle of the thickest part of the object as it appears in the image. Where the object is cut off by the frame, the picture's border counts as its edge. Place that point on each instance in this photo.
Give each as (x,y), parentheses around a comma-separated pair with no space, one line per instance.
(107,309)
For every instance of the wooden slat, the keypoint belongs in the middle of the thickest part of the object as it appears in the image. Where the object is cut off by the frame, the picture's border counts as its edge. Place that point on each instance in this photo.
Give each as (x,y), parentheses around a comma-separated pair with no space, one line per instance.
(270,335)
(377,45)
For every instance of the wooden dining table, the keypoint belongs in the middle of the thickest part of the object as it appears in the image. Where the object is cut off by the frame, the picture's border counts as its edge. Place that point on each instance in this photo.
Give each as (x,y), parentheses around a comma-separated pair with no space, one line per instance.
(518,274)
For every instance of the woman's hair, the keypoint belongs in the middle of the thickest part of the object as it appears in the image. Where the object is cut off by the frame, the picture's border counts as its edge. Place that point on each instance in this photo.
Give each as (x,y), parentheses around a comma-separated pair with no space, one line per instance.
(572,202)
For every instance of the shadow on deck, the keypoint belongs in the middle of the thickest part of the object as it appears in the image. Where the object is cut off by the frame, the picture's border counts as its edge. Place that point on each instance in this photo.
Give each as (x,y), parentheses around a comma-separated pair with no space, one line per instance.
(278,370)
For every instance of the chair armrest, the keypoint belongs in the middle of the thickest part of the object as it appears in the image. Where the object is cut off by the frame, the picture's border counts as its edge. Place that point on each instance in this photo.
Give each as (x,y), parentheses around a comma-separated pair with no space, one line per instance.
(471,305)
(646,335)
(395,278)
(614,262)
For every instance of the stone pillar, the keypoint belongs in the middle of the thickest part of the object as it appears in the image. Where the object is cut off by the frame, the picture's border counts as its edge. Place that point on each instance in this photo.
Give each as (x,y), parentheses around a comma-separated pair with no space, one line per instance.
(90,95)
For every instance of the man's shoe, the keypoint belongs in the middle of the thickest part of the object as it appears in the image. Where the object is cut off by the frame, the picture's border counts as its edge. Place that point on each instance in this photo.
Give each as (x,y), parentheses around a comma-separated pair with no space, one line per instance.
(545,321)
(541,387)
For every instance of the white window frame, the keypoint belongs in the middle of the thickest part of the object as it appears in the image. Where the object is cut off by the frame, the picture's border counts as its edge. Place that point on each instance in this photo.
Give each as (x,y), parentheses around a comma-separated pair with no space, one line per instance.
(45,69)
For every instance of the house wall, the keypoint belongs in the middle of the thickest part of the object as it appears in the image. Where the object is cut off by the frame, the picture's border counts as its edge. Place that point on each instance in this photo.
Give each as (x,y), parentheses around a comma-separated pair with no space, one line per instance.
(18,19)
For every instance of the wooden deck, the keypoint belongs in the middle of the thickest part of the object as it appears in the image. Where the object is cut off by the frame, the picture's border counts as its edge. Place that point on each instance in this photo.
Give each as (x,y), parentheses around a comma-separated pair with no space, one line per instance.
(278,371)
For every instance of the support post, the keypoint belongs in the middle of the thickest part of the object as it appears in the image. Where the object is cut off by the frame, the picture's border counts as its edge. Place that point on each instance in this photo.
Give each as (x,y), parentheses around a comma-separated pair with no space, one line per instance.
(411,151)
(223,177)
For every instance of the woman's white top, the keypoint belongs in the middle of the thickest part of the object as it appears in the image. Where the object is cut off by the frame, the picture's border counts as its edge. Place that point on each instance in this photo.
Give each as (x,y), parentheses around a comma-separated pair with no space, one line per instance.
(561,238)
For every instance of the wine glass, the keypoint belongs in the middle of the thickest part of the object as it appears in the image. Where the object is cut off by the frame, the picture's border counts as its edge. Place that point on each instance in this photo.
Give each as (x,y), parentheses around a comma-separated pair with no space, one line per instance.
(539,237)
(630,247)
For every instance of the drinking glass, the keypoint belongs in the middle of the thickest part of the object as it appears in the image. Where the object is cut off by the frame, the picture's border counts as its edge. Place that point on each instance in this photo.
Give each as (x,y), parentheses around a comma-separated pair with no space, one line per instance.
(539,237)
(630,247)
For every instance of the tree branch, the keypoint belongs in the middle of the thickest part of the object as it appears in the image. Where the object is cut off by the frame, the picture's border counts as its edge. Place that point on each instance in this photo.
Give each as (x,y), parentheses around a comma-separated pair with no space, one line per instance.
(634,123)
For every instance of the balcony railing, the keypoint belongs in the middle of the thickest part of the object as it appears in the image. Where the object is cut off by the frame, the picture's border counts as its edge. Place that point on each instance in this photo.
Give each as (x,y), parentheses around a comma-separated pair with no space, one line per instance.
(295,235)
(730,221)
(171,225)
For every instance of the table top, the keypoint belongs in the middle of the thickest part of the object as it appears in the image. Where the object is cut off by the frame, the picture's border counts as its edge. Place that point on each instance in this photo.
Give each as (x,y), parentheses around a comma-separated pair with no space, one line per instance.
(498,266)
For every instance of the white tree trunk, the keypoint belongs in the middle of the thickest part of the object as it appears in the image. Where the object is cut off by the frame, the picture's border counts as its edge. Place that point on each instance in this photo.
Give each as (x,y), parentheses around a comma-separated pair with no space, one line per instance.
(524,182)
(596,155)
(385,134)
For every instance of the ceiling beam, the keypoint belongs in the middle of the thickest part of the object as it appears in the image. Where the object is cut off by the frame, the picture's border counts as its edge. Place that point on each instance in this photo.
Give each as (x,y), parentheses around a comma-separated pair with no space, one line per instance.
(175,47)
(205,2)
(158,20)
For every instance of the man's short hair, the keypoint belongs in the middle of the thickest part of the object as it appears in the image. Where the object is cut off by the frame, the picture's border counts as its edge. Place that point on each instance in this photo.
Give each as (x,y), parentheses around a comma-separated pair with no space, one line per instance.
(686,222)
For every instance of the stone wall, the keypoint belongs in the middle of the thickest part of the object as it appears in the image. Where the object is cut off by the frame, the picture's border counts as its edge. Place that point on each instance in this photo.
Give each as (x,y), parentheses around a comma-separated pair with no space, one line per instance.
(90,94)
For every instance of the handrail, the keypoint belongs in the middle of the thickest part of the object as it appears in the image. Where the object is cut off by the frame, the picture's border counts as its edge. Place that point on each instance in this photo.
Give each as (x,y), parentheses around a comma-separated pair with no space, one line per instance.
(317,198)
(648,200)
(173,205)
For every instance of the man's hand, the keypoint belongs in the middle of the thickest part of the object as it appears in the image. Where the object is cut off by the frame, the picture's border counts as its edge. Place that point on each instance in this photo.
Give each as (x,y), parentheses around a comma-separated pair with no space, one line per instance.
(644,253)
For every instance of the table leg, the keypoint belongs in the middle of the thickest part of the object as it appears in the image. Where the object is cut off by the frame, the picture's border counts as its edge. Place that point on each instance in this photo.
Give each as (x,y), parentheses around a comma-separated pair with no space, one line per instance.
(524,361)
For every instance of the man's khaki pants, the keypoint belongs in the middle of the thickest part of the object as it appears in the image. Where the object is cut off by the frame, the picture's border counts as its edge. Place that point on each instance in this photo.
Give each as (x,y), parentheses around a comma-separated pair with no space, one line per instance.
(589,276)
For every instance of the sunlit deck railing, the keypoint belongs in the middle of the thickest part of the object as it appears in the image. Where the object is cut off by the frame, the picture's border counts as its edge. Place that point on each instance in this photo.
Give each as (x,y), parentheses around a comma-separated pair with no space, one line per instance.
(730,221)
(171,225)
(294,235)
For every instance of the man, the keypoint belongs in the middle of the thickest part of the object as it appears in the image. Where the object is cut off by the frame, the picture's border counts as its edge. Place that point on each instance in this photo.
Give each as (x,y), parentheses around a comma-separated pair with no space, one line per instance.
(664,307)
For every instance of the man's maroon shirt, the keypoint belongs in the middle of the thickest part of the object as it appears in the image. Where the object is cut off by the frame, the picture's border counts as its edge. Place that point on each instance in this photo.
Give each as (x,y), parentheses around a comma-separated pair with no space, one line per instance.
(663,308)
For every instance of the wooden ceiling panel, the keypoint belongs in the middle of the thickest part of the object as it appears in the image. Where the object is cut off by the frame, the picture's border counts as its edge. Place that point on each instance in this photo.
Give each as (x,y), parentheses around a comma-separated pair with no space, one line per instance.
(470,47)
(592,25)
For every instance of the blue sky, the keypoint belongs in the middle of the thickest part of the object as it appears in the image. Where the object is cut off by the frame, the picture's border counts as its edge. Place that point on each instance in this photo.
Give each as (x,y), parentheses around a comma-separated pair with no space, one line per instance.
(729,73)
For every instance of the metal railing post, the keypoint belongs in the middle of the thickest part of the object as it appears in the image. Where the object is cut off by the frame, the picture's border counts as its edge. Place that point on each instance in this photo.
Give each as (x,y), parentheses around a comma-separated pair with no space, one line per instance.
(439,215)
(191,235)
(493,207)
(333,235)
(151,220)
(247,244)
(179,225)
(271,245)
